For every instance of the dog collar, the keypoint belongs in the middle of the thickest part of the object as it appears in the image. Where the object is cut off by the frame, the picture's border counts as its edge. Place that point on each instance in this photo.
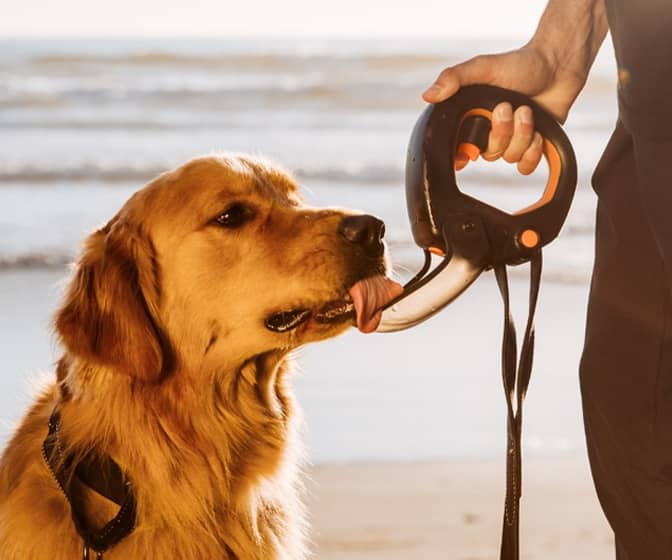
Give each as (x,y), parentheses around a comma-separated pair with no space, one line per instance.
(102,475)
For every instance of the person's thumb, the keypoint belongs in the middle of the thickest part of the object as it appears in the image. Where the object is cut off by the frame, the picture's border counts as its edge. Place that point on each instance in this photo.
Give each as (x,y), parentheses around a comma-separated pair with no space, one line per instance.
(474,71)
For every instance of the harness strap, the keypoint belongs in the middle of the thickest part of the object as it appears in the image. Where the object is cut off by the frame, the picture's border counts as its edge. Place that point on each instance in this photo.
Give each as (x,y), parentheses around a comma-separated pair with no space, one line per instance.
(103,476)
(516,378)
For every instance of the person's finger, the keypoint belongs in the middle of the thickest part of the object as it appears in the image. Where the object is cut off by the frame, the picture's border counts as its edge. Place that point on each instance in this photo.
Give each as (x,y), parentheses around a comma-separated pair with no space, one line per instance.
(478,70)
(445,85)
(501,133)
(532,156)
(523,134)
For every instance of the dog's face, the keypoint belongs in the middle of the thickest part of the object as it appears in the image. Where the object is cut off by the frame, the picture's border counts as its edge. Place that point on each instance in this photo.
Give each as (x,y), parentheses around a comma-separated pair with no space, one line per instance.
(226,263)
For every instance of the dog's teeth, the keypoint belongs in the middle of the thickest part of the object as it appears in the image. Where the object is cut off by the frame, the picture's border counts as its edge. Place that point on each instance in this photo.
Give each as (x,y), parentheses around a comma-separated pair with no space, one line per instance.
(287,320)
(335,310)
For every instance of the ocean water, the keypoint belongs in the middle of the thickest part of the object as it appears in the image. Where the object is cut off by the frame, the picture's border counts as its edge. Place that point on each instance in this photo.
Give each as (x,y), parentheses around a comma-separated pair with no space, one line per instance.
(84,123)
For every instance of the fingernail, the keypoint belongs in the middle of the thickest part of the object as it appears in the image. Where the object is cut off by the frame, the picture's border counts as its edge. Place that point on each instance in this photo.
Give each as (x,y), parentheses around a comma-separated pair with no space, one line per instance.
(503,113)
(434,88)
(525,116)
(538,140)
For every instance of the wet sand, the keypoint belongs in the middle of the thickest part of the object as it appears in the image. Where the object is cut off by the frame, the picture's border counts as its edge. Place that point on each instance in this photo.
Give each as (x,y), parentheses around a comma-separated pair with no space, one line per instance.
(453,511)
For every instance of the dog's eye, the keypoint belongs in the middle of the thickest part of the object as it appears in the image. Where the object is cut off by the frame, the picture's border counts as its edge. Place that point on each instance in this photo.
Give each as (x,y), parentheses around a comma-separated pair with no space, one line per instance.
(235,216)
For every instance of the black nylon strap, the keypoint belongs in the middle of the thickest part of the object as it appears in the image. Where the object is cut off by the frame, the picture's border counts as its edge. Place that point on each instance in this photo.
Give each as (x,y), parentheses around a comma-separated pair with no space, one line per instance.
(104,477)
(516,378)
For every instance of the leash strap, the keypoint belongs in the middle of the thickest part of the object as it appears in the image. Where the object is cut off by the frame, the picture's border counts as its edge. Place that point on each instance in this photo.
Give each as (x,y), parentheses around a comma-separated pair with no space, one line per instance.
(104,477)
(516,378)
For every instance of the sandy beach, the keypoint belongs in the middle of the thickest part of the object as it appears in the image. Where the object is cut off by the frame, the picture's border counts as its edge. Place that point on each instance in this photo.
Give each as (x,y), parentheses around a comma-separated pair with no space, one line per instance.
(453,511)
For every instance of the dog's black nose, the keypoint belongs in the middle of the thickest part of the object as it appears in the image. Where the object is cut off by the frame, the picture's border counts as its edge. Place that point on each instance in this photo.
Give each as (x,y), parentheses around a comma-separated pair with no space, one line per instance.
(365,231)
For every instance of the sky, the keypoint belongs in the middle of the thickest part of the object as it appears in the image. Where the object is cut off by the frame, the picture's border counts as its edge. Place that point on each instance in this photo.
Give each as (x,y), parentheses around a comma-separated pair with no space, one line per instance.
(226,18)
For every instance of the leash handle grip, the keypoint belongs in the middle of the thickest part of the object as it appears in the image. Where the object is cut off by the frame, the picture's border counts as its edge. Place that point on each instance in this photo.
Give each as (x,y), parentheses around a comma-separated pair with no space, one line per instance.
(462,123)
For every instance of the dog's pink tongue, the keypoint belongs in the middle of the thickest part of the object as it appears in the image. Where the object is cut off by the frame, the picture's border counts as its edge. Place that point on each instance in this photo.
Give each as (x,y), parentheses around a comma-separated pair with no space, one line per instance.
(370,296)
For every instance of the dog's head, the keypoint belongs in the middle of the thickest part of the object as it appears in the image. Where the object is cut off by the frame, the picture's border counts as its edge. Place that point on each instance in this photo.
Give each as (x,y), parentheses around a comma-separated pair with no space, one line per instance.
(219,261)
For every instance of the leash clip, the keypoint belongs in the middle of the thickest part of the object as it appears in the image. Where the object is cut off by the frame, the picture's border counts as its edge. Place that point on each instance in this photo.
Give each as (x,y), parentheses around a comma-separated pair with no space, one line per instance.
(86,553)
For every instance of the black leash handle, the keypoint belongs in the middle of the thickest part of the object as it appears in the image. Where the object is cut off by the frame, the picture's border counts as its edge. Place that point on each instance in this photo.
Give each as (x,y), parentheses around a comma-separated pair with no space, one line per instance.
(516,379)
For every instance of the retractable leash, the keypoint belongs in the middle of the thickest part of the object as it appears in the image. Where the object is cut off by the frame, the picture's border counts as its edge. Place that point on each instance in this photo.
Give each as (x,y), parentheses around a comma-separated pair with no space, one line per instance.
(473,236)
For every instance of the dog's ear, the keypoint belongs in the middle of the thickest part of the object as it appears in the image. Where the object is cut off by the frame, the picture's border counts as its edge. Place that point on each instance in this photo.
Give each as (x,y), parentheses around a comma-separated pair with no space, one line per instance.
(105,317)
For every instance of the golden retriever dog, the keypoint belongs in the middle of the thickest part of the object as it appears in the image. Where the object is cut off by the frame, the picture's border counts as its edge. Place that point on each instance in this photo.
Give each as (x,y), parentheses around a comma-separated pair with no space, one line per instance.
(176,329)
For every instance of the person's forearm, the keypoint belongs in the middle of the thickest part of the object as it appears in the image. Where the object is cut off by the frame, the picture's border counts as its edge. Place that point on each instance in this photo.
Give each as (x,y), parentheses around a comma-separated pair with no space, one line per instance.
(569,35)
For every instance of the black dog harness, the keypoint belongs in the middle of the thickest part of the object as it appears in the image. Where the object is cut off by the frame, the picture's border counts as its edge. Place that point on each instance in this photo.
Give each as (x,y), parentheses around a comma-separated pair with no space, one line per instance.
(102,475)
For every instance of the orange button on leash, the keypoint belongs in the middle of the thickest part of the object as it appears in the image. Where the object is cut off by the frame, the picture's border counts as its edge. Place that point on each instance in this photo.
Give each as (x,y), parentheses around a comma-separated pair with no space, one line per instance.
(529,238)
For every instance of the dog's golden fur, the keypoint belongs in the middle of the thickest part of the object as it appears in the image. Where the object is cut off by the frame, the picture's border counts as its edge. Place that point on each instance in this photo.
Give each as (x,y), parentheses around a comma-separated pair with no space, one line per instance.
(169,369)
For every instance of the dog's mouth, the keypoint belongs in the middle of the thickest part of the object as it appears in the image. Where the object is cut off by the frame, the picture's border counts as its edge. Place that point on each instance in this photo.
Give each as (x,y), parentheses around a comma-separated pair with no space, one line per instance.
(363,303)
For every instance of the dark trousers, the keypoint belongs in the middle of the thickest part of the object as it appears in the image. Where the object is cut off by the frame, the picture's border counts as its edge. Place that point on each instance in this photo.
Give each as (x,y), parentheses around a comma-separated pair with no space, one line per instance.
(626,369)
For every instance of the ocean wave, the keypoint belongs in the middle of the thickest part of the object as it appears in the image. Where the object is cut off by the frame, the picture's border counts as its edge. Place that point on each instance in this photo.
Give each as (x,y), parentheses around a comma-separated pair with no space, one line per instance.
(335,120)
(216,94)
(35,260)
(373,174)
(270,62)
(108,124)
(245,88)
(85,172)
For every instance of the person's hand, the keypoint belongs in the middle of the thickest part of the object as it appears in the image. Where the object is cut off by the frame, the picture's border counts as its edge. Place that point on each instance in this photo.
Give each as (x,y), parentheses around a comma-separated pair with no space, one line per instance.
(527,71)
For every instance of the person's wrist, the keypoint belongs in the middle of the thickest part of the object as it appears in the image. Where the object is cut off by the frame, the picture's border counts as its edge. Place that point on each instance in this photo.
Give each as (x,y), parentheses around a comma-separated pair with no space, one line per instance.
(571,75)
(544,49)
(564,83)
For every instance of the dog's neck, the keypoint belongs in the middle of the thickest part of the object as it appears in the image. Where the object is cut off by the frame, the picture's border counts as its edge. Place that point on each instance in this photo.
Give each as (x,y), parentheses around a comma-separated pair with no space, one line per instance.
(225,442)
